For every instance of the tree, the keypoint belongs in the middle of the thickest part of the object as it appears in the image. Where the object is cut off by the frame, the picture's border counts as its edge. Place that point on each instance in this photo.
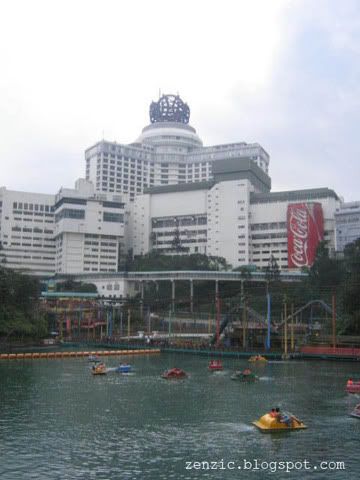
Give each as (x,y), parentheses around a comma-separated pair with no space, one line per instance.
(155,261)
(73,286)
(272,270)
(351,286)
(325,272)
(19,300)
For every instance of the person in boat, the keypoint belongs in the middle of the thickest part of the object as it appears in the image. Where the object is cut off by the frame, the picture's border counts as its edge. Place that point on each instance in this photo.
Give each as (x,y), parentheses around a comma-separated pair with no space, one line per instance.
(273,413)
(350,382)
(283,417)
(278,414)
(246,372)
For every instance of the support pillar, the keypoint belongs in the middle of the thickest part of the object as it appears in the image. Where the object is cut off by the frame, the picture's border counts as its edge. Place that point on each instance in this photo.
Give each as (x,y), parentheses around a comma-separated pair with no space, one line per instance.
(268,338)
(128,325)
(191,296)
(285,328)
(141,299)
(244,322)
(218,315)
(292,329)
(173,296)
(333,301)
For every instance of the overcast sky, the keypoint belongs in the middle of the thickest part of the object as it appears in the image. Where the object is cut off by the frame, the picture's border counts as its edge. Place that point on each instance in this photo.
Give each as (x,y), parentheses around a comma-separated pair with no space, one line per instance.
(285,74)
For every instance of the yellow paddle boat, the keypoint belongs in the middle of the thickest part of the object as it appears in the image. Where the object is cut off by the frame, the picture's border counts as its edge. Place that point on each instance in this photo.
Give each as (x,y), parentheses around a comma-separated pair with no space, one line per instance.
(257,358)
(278,422)
(99,369)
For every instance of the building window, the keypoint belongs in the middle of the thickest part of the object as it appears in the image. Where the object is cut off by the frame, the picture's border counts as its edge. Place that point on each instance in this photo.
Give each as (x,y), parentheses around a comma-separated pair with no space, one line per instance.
(70,213)
(113,217)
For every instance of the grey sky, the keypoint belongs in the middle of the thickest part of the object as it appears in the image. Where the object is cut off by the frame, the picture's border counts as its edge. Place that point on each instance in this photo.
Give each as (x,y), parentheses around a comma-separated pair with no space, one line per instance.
(282,73)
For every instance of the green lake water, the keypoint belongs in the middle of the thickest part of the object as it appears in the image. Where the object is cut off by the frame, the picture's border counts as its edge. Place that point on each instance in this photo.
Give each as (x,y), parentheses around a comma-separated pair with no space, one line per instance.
(58,421)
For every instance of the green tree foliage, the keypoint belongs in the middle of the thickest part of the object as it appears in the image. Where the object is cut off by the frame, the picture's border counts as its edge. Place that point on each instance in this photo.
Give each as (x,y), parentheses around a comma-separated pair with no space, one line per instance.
(73,286)
(351,285)
(19,313)
(272,270)
(325,272)
(154,261)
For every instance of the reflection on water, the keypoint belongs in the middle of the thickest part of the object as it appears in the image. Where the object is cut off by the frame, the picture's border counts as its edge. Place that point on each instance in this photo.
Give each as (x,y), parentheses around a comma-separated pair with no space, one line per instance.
(60,422)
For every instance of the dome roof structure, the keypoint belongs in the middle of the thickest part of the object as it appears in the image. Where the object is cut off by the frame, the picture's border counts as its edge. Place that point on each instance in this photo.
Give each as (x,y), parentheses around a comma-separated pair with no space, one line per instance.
(169,118)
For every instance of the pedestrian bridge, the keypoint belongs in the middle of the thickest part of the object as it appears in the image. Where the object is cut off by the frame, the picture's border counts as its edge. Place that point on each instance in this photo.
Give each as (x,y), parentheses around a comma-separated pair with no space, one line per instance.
(128,284)
(199,275)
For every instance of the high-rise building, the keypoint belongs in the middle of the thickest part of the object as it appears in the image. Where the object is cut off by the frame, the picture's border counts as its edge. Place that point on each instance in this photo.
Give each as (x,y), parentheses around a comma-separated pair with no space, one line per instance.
(27,225)
(76,230)
(167,152)
(347,219)
(167,192)
(235,216)
(89,229)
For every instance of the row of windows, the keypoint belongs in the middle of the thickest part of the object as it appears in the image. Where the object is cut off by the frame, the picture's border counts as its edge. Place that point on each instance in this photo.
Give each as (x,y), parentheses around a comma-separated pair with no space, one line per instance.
(264,236)
(179,221)
(113,217)
(32,206)
(35,230)
(350,219)
(70,213)
(181,232)
(268,226)
(185,241)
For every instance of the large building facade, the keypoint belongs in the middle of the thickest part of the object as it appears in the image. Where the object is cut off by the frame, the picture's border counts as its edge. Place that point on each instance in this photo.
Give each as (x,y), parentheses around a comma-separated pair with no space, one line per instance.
(347,219)
(27,224)
(170,193)
(76,230)
(89,229)
(235,216)
(168,152)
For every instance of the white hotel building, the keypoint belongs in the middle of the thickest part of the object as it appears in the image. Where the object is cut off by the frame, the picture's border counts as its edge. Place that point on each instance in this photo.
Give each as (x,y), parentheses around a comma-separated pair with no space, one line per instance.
(76,230)
(89,229)
(168,152)
(234,216)
(347,219)
(165,192)
(27,227)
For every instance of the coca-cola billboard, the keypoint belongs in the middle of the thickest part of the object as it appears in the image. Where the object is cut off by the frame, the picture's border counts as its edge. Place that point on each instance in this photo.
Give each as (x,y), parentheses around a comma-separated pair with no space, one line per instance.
(305,226)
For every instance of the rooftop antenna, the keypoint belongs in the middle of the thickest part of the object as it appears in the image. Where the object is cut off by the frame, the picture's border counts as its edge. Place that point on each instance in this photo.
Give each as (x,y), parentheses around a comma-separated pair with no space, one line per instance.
(159,92)
(103,135)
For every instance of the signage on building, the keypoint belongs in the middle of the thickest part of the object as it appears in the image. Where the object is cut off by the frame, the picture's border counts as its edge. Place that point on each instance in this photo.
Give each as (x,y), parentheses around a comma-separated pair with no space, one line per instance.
(305,227)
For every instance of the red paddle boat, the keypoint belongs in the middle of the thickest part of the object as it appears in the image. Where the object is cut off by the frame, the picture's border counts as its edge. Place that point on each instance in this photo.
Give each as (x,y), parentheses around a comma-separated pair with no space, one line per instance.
(174,373)
(352,387)
(215,365)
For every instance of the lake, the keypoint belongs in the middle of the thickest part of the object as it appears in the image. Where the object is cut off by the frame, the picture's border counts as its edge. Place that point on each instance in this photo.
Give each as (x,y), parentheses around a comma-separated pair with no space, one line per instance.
(60,422)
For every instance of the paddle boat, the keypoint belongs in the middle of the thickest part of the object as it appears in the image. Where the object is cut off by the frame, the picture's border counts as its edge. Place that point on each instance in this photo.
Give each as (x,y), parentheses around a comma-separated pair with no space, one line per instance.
(215,365)
(356,412)
(99,369)
(275,422)
(244,376)
(352,387)
(257,358)
(123,368)
(93,358)
(174,373)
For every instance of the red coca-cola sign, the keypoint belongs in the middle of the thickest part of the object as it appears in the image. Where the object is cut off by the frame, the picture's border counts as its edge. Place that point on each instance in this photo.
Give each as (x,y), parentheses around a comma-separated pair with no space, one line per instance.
(305,225)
